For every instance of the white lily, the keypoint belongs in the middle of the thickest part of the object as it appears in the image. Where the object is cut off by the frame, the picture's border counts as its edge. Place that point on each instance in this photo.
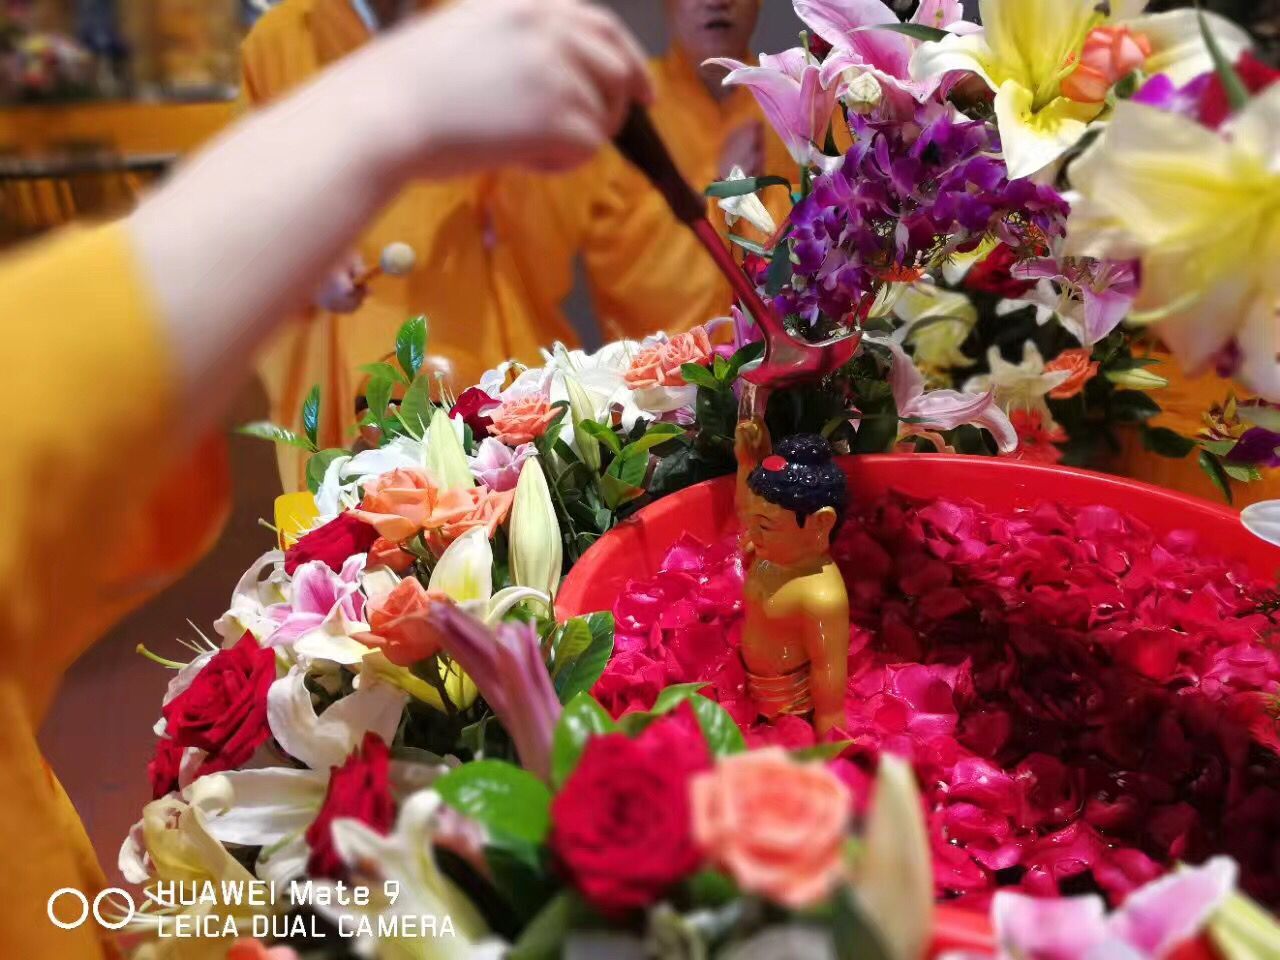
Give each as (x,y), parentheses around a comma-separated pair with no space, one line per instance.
(339,490)
(535,545)
(1019,386)
(1263,520)
(272,809)
(405,858)
(446,459)
(1201,210)
(937,322)
(251,598)
(1026,48)
(464,573)
(325,740)
(748,207)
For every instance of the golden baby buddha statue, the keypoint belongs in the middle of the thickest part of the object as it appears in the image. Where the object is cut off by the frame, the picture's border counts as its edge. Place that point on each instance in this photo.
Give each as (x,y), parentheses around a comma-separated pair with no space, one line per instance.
(795,639)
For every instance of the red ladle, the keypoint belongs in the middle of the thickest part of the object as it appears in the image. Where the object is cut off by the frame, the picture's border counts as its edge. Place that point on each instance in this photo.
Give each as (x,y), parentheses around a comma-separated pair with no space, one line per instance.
(787,361)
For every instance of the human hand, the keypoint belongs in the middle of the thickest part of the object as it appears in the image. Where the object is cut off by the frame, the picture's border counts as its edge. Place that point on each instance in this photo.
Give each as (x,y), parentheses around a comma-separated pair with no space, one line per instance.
(743,148)
(553,83)
(751,443)
(344,289)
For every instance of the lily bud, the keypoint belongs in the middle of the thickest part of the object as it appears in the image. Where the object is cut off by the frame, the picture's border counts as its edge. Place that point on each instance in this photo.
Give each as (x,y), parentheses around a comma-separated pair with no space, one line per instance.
(446,459)
(581,410)
(863,94)
(1139,378)
(748,207)
(535,552)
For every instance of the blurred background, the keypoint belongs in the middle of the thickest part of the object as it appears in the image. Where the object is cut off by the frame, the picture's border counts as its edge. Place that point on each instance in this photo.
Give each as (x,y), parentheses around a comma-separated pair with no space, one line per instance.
(98,99)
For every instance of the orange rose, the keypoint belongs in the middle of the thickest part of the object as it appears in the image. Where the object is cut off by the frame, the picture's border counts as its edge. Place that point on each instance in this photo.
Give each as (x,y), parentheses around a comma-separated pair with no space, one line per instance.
(458,511)
(385,553)
(776,825)
(1079,365)
(1110,54)
(522,419)
(659,365)
(398,503)
(398,623)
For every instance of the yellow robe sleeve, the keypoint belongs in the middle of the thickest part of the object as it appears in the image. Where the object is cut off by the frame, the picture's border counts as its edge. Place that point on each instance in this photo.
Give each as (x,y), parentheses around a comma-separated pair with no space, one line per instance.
(94,515)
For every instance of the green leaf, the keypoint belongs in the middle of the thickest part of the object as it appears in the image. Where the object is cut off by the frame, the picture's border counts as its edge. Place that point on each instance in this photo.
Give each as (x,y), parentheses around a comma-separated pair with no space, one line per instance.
(631,467)
(722,189)
(583,718)
(748,245)
(722,732)
(416,408)
(572,640)
(519,876)
(916,31)
(780,269)
(318,465)
(605,435)
(856,938)
(1219,448)
(748,354)
(266,430)
(581,675)
(1166,442)
(618,493)
(1213,467)
(411,346)
(311,414)
(1260,416)
(384,369)
(657,435)
(544,938)
(822,751)
(711,888)
(1133,406)
(1234,87)
(673,696)
(720,369)
(378,395)
(699,376)
(1244,473)
(500,796)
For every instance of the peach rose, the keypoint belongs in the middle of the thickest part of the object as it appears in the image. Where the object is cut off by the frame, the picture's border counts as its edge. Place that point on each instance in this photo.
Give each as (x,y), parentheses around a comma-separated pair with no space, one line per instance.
(385,553)
(1110,54)
(1079,365)
(398,623)
(522,419)
(659,365)
(398,503)
(776,825)
(458,511)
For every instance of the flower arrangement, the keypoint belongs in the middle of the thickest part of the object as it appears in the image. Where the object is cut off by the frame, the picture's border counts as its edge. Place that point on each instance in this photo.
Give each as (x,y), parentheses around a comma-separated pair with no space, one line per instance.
(1042,704)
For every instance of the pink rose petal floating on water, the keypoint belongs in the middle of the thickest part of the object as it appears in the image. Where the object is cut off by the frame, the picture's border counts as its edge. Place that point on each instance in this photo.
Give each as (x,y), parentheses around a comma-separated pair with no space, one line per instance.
(1084,702)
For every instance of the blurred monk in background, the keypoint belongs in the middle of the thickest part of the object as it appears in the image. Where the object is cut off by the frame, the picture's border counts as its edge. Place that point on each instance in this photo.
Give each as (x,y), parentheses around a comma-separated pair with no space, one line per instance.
(495,253)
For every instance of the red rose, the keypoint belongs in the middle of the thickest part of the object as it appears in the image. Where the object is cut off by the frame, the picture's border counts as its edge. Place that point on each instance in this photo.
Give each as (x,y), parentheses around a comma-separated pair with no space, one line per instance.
(162,771)
(993,275)
(472,406)
(1214,108)
(224,711)
(621,825)
(358,790)
(331,544)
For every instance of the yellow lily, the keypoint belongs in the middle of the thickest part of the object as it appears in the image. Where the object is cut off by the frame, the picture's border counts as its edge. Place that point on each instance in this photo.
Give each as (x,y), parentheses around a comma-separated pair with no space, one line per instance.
(1026,49)
(1201,210)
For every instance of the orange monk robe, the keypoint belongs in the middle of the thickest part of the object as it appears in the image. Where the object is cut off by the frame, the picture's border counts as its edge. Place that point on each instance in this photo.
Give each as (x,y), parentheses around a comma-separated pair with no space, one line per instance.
(464,282)
(645,270)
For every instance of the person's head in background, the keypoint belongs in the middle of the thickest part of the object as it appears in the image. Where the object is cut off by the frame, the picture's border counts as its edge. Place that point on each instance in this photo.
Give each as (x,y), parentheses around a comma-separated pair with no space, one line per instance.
(703,29)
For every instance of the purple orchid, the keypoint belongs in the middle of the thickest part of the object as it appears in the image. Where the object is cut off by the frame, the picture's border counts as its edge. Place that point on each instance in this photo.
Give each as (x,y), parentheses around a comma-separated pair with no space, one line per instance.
(928,413)
(790,91)
(906,196)
(498,466)
(1105,288)
(1259,447)
(318,595)
(508,669)
(1153,921)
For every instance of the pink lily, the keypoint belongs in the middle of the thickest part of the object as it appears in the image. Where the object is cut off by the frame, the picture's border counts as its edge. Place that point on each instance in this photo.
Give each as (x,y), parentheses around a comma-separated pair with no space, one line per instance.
(791,93)
(1153,921)
(318,595)
(859,46)
(497,466)
(929,413)
(507,666)
(1107,289)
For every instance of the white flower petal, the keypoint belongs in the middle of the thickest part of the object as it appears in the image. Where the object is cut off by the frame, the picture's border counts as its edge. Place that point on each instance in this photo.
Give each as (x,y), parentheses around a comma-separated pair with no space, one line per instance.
(327,740)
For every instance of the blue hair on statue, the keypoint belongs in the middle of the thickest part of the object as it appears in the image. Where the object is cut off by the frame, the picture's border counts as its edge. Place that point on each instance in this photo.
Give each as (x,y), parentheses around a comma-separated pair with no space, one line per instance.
(801,476)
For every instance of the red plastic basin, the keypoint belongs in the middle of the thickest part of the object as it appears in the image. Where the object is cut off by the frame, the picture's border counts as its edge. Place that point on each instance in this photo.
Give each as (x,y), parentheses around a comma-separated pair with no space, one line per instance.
(635,549)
